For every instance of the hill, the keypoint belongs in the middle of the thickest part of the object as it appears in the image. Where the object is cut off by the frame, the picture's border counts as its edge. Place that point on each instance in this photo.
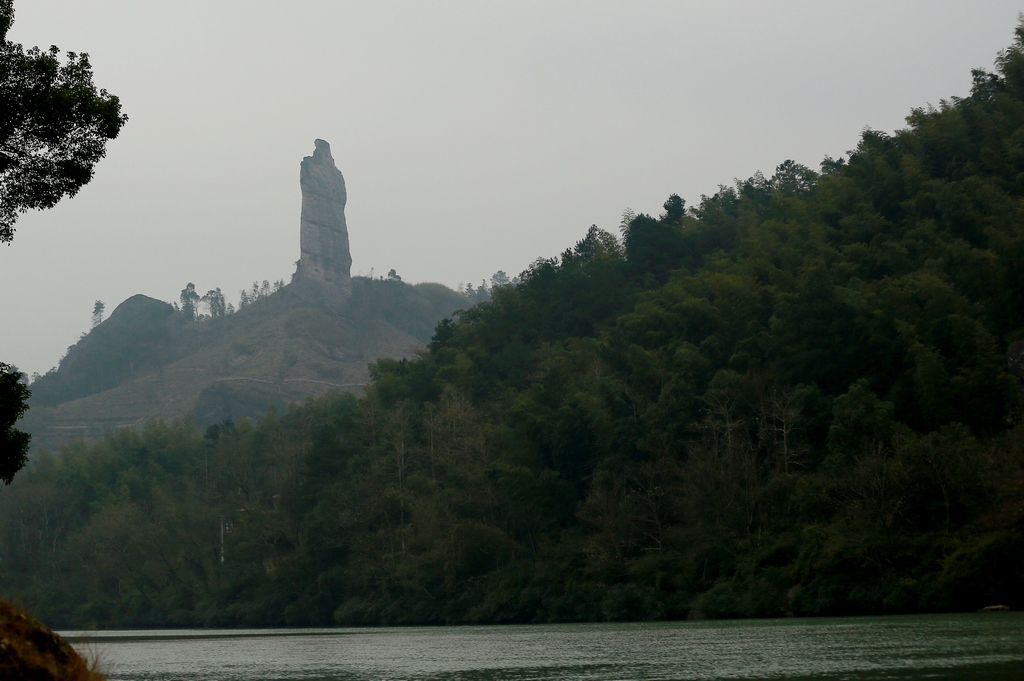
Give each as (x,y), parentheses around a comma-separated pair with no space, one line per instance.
(801,396)
(151,360)
(147,361)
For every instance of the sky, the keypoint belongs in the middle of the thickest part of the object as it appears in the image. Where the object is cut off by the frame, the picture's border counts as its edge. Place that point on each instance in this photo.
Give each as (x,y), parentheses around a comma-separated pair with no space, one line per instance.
(473,136)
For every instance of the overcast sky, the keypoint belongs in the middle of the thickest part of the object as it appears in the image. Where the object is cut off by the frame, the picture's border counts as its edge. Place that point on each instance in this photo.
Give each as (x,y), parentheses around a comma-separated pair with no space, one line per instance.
(473,136)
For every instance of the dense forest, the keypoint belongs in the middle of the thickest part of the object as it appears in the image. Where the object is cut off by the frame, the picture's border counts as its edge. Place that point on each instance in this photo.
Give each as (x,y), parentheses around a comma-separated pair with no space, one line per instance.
(800,396)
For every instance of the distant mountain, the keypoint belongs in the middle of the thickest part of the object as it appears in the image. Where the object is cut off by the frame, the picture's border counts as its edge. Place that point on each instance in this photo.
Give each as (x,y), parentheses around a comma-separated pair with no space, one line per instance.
(151,360)
(148,361)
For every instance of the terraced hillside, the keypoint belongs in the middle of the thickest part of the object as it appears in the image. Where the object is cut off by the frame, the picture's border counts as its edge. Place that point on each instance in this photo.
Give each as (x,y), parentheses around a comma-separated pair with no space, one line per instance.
(147,361)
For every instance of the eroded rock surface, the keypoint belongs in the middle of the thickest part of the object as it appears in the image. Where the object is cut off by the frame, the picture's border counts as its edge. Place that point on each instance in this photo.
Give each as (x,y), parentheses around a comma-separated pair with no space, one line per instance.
(323,236)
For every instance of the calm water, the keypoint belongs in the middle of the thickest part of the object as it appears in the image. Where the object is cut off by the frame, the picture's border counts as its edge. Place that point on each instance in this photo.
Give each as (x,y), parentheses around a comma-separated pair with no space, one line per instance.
(989,646)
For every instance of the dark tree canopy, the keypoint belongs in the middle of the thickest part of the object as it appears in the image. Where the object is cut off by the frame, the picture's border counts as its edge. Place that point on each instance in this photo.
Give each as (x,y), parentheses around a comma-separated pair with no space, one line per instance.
(13,443)
(803,395)
(54,125)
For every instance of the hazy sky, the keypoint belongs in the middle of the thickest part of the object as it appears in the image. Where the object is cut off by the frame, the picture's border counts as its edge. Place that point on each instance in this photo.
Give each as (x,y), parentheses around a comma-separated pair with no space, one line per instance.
(473,136)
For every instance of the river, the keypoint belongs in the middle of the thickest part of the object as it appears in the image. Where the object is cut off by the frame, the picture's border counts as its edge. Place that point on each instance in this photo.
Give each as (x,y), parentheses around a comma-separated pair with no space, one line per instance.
(964,647)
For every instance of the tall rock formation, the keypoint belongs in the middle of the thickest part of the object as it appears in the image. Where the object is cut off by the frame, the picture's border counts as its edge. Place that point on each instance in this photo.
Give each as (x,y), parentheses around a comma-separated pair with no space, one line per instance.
(323,234)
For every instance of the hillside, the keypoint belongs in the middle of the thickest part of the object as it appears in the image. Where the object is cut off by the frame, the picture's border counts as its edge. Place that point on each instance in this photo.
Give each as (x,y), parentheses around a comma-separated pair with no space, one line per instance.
(801,396)
(147,361)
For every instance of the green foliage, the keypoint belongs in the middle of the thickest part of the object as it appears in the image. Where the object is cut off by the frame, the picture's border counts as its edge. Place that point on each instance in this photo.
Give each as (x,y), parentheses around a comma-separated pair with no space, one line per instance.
(14,396)
(791,398)
(190,302)
(54,125)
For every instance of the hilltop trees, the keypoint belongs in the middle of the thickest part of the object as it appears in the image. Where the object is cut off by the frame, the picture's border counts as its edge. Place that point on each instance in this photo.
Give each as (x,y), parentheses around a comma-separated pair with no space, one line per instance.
(189,302)
(98,309)
(214,300)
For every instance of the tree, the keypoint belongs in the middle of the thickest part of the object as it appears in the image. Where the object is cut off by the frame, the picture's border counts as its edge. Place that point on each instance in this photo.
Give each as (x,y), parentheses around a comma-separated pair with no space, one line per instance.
(655,247)
(628,216)
(14,395)
(675,209)
(189,301)
(214,299)
(499,278)
(54,125)
(97,313)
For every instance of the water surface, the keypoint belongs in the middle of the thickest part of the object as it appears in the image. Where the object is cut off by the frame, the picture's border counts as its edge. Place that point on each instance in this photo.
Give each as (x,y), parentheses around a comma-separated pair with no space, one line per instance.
(971,647)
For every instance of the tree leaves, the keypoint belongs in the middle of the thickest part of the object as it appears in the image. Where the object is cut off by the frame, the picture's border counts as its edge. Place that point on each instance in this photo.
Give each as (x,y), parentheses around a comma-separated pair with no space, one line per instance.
(54,126)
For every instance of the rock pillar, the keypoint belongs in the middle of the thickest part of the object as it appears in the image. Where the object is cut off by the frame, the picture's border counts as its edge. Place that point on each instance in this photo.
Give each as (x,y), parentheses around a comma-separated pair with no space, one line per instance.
(323,234)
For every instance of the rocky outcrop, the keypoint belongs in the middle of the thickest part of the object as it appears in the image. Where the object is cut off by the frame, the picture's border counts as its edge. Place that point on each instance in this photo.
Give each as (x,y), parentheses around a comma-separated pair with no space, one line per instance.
(323,234)
(29,650)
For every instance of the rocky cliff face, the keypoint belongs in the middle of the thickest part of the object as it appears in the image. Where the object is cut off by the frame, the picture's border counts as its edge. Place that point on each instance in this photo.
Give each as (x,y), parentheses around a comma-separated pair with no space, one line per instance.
(323,234)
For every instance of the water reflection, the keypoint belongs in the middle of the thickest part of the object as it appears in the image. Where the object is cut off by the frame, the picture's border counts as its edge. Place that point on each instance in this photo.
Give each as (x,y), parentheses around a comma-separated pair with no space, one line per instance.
(973,647)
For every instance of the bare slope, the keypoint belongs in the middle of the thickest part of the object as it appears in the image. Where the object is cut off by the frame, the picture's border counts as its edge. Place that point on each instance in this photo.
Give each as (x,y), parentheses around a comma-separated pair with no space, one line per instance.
(148,362)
